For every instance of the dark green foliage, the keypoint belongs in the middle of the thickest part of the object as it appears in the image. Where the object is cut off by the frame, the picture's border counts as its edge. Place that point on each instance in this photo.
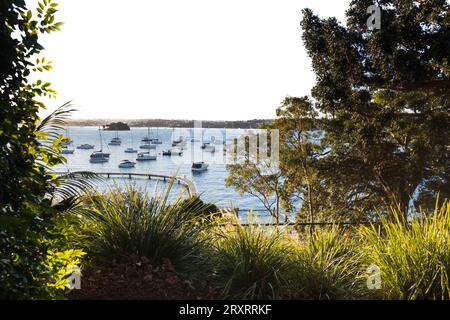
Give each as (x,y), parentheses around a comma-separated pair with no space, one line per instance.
(329,264)
(204,210)
(386,95)
(21,177)
(35,227)
(252,262)
(414,260)
(126,225)
(25,242)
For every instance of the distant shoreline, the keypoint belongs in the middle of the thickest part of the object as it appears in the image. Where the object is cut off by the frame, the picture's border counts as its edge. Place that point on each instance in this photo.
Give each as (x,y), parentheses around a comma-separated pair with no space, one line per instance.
(163,123)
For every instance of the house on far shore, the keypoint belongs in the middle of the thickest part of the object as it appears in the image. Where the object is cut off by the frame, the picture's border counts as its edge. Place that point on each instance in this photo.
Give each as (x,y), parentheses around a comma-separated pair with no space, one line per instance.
(116,126)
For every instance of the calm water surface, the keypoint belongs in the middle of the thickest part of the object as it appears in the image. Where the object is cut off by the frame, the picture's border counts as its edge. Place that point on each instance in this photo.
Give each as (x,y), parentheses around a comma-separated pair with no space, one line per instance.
(210,183)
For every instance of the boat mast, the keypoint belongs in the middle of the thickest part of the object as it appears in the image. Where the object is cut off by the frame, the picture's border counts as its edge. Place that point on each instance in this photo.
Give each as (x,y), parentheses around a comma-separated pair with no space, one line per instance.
(101,142)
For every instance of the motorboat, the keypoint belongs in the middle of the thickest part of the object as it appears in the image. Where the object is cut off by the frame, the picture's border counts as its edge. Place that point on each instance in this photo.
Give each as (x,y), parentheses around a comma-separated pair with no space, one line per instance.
(86,146)
(145,156)
(199,166)
(127,164)
(99,157)
(130,150)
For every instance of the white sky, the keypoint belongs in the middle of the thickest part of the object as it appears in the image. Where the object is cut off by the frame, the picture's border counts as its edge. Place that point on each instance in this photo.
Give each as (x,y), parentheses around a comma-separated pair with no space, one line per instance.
(179,59)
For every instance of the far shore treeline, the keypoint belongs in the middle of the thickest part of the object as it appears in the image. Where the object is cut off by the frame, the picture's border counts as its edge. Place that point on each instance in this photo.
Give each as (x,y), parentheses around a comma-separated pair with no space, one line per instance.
(170,123)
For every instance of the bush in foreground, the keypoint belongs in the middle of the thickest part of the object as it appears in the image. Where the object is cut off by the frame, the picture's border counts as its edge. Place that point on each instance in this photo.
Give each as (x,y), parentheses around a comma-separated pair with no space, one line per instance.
(414,258)
(126,225)
(252,262)
(327,266)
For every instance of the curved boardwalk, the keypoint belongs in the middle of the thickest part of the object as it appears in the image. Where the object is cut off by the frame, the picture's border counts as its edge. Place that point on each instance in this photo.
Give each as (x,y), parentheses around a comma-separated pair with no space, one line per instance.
(188,184)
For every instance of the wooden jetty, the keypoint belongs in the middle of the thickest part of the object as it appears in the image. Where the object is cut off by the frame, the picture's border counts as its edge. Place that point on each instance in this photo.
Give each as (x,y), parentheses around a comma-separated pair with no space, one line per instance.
(188,184)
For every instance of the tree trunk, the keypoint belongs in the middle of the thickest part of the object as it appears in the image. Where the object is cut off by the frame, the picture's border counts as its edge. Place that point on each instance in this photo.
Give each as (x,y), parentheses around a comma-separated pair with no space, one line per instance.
(310,207)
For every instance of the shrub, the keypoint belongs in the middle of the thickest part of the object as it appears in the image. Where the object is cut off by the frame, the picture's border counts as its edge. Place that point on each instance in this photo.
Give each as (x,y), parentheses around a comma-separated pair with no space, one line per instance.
(36,256)
(251,262)
(328,263)
(126,225)
(414,258)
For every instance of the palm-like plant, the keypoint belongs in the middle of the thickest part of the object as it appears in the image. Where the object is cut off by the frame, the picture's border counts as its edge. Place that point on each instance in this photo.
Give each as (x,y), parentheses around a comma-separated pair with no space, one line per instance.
(64,190)
(126,225)
(252,262)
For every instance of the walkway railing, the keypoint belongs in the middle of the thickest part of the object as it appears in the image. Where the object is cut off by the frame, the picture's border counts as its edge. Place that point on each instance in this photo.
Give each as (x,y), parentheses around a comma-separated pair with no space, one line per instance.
(188,184)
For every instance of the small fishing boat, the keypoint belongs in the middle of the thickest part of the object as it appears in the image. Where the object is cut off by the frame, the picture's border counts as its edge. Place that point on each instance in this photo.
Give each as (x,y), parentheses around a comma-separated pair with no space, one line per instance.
(127,164)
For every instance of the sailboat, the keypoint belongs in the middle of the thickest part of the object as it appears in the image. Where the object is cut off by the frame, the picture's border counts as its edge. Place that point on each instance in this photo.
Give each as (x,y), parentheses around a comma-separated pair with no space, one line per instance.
(65,149)
(131,150)
(70,141)
(116,141)
(147,139)
(156,140)
(99,156)
(180,142)
(199,166)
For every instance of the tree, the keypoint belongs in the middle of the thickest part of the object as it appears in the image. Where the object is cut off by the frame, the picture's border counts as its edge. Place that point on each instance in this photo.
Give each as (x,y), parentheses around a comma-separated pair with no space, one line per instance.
(251,171)
(34,232)
(296,121)
(385,98)
(21,177)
